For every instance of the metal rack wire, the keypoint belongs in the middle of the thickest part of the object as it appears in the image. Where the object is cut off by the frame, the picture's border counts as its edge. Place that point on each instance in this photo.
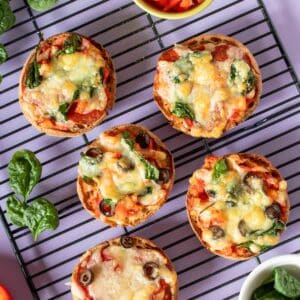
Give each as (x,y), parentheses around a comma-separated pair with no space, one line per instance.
(135,39)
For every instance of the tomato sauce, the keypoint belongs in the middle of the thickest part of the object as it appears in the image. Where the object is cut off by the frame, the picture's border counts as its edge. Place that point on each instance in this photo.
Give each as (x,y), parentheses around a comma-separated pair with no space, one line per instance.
(174,5)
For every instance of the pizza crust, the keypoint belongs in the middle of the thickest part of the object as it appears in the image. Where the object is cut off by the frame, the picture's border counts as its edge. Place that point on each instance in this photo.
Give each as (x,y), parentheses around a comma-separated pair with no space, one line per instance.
(260,160)
(139,242)
(83,187)
(111,84)
(177,123)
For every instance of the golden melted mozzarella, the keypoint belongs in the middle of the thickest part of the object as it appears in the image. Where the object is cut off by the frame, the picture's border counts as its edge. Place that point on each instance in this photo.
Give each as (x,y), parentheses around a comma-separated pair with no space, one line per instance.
(62,76)
(115,183)
(206,90)
(128,281)
(250,206)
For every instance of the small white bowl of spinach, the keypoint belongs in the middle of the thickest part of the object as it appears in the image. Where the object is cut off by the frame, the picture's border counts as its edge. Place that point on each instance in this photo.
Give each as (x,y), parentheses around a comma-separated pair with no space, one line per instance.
(275,279)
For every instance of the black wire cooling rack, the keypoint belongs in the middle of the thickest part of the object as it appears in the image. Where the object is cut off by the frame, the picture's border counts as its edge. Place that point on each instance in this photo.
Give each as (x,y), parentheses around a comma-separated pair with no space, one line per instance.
(135,40)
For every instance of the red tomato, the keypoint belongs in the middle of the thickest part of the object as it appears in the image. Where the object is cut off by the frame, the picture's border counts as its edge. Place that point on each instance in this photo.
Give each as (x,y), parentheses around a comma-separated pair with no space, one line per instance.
(189,122)
(170,55)
(5,294)
(220,53)
(86,119)
(175,5)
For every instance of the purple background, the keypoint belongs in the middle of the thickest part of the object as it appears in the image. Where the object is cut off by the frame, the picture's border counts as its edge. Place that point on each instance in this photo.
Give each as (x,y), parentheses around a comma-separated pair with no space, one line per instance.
(285,15)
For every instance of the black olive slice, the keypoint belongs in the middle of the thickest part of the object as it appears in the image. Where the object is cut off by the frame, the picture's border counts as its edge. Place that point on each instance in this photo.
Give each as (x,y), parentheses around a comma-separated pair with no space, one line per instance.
(243,228)
(125,164)
(86,277)
(164,176)
(217,232)
(107,208)
(127,241)
(151,270)
(143,140)
(273,211)
(94,152)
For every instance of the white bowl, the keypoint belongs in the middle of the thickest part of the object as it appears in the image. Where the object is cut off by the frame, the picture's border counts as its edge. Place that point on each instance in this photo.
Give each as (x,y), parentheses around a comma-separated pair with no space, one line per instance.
(263,271)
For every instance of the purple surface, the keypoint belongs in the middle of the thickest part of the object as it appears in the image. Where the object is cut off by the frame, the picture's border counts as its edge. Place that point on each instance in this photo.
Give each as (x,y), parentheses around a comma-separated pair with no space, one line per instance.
(200,272)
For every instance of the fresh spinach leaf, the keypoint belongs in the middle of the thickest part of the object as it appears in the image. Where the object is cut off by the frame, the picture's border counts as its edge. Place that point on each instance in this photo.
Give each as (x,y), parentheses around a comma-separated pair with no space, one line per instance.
(7,17)
(33,77)
(109,202)
(3,54)
(176,79)
(247,245)
(76,95)
(24,171)
(198,53)
(65,106)
(63,109)
(184,65)
(146,191)
(232,74)
(90,165)
(220,168)
(87,179)
(273,295)
(180,78)
(285,283)
(234,190)
(242,76)
(277,226)
(15,210)
(183,110)
(151,171)
(250,82)
(71,44)
(128,140)
(41,5)
(101,73)
(41,215)
(262,291)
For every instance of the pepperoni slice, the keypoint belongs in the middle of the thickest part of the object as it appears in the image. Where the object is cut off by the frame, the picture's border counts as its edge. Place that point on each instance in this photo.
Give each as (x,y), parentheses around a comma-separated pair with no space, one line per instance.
(170,55)
(220,53)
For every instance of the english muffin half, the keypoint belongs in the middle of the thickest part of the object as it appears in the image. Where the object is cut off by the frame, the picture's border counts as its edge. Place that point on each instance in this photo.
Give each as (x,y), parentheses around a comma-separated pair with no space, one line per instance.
(237,205)
(67,85)
(125,175)
(125,268)
(207,85)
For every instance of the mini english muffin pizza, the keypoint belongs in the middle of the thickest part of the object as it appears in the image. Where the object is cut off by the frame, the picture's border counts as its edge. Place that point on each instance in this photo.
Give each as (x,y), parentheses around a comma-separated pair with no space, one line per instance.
(67,85)
(129,268)
(237,205)
(125,175)
(207,85)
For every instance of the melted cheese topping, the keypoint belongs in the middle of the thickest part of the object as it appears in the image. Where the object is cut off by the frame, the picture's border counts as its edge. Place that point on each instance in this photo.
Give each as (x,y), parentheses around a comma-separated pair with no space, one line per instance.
(123,276)
(234,202)
(64,75)
(115,183)
(203,84)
